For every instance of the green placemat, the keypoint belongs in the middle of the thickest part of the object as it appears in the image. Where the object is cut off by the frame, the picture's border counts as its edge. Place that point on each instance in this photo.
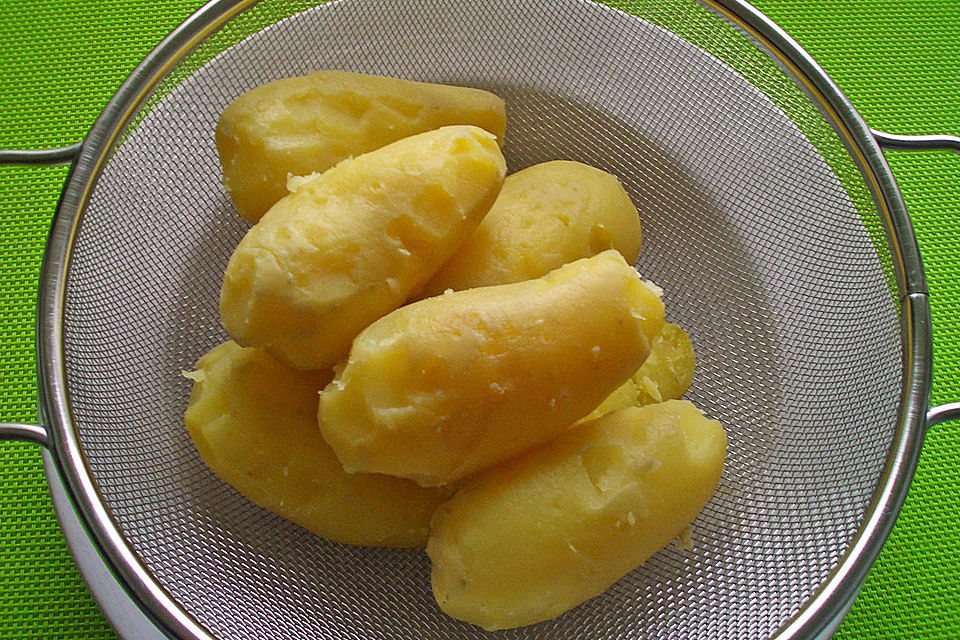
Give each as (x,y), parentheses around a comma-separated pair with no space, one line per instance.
(61,60)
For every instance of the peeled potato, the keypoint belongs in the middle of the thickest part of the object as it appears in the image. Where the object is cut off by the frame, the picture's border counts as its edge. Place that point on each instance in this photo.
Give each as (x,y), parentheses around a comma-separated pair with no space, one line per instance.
(299,126)
(349,245)
(531,538)
(452,384)
(551,214)
(665,375)
(545,216)
(254,422)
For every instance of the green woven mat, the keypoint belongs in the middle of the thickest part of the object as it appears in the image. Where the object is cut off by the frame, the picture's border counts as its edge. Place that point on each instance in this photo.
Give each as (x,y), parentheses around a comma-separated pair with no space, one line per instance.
(61,60)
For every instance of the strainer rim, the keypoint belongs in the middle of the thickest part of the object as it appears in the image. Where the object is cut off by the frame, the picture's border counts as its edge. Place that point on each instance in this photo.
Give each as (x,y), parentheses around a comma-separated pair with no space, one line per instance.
(822,612)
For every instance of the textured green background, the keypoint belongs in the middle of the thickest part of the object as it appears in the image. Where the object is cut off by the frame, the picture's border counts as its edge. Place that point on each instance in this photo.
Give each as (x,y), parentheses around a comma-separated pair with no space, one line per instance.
(61,60)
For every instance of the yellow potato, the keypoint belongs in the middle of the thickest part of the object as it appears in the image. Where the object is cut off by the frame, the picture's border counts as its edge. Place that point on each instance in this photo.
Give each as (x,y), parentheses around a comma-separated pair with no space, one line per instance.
(254,422)
(551,214)
(351,244)
(299,126)
(452,384)
(545,216)
(531,538)
(665,375)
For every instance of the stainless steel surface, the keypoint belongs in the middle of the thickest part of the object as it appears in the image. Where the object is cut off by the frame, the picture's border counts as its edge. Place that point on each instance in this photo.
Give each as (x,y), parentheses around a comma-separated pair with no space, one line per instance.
(835,596)
(124,615)
(917,143)
(943,413)
(852,130)
(25,432)
(771,218)
(59,155)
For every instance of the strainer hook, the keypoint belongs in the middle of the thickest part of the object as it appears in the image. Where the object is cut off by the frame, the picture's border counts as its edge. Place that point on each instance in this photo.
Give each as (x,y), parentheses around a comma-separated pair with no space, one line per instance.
(950,411)
(25,433)
(57,155)
(916,143)
(943,413)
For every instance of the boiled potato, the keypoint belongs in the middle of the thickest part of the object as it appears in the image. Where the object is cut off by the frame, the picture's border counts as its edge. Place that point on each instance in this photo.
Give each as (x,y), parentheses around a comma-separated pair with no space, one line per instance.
(549,215)
(452,384)
(531,538)
(299,126)
(545,216)
(349,245)
(665,375)
(254,422)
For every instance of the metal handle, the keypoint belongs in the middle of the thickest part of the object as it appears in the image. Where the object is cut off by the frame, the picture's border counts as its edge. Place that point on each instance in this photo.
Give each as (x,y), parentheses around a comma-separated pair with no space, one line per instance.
(25,433)
(951,411)
(916,143)
(58,155)
(943,413)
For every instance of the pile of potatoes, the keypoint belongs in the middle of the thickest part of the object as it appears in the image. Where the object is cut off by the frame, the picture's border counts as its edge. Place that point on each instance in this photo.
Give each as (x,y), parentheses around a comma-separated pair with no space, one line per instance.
(427,351)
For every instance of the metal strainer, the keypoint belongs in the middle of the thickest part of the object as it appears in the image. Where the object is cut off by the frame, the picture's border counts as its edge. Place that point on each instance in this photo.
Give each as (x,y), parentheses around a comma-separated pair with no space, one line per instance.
(770,218)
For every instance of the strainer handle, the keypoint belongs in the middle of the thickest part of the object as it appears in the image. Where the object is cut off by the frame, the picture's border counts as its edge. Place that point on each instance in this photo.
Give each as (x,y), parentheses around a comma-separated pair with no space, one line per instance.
(58,155)
(943,413)
(951,411)
(917,143)
(25,433)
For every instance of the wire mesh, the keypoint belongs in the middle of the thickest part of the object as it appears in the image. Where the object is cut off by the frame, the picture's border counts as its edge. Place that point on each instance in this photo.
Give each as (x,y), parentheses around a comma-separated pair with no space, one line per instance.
(757,224)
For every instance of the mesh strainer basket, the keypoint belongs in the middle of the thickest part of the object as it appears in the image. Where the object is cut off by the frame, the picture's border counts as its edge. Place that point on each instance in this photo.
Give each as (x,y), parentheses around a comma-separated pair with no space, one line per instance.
(770,218)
